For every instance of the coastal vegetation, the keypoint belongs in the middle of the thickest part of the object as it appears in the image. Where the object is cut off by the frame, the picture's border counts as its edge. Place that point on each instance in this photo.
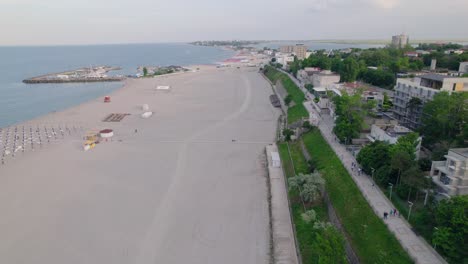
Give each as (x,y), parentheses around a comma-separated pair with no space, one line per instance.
(296,112)
(319,241)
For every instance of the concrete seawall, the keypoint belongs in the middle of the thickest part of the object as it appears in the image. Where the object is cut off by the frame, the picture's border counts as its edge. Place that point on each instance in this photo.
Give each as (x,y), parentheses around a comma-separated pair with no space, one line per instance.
(284,244)
(78,80)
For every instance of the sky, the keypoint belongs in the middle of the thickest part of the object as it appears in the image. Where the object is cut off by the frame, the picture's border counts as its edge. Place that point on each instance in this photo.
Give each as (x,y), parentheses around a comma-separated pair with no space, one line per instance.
(72,22)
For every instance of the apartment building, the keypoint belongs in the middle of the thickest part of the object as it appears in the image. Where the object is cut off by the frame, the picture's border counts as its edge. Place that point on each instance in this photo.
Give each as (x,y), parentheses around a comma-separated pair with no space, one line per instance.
(411,94)
(451,175)
(299,50)
(400,41)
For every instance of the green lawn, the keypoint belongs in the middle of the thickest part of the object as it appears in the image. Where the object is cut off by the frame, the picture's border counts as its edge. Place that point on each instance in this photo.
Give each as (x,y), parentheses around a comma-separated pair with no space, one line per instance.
(369,236)
(298,111)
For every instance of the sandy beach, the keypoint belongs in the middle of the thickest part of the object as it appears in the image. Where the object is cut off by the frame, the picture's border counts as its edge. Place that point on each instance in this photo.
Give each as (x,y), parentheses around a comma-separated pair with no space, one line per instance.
(188,187)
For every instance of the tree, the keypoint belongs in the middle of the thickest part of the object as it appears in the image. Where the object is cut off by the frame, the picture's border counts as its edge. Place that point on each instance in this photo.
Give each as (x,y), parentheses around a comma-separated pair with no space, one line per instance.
(401,161)
(145,71)
(387,104)
(287,133)
(374,155)
(351,111)
(287,100)
(273,60)
(445,119)
(310,186)
(309,87)
(451,234)
(349,70)
(336,64)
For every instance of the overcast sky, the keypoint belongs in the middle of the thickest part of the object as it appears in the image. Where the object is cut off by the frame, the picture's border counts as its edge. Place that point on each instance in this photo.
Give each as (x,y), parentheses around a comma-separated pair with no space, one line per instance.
(56,22)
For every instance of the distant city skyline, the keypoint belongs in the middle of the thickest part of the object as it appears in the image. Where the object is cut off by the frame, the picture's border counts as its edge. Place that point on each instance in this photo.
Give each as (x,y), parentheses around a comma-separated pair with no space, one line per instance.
(55,22)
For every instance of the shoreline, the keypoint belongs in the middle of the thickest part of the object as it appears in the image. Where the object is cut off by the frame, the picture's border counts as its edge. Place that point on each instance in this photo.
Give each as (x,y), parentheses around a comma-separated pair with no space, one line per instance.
(125,85)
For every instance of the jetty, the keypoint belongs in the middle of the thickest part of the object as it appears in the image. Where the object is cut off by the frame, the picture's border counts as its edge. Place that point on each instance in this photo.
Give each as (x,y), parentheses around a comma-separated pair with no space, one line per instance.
(82,75)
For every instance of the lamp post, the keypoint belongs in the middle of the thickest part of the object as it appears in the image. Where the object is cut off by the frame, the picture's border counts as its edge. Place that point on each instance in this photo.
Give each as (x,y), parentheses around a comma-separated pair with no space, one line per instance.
(410,207)
(391,189)
(435,244)
(373,174)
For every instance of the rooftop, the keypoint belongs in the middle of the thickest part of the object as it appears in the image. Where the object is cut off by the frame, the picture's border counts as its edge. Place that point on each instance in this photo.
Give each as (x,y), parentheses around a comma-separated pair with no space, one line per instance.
(461,151)
(434,77)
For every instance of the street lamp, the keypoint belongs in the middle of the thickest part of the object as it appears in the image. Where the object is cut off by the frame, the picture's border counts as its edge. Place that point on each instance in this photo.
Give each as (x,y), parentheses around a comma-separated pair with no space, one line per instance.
(410,207)
(391,189)
(435,244)
(373,174)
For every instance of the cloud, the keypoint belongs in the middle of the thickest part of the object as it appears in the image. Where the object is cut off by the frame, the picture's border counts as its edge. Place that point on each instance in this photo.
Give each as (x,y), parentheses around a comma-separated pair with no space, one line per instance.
(321,5)
(384,4)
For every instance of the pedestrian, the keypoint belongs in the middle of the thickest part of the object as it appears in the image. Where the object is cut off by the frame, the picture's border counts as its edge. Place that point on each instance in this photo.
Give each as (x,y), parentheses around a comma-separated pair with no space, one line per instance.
(385,214)
(391,212)
(136,130)
(359,171)
(395,213)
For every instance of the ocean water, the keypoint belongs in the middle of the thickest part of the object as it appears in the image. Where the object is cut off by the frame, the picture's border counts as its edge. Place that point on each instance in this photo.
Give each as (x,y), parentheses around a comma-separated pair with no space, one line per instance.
(20,102)
(314,45)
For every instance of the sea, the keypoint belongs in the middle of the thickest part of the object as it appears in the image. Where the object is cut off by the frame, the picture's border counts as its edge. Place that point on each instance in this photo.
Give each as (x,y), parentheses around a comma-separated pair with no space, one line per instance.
(20,102)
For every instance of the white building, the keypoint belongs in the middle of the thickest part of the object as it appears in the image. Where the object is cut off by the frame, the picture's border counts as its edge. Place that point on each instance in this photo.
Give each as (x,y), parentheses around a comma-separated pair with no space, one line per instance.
(390,133)
(400,41)
(451,175)
(324,79)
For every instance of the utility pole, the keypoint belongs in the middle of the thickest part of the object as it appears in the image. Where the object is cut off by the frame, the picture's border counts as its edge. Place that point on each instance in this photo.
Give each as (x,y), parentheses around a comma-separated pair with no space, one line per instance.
(391,189)
(410,207)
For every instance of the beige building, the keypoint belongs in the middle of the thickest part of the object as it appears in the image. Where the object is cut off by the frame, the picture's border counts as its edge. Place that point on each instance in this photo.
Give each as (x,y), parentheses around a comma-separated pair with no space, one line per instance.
(451,175)
(400,41)
(300,51)
(287,49)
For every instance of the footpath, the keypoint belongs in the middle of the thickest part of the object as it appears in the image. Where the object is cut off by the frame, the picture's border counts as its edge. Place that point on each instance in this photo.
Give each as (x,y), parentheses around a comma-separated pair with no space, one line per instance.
(284,243)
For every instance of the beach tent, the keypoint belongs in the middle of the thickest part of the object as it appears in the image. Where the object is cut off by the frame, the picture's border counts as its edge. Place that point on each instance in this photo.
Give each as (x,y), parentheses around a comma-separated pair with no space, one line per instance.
(106,133)
(146,114)
(164,88)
